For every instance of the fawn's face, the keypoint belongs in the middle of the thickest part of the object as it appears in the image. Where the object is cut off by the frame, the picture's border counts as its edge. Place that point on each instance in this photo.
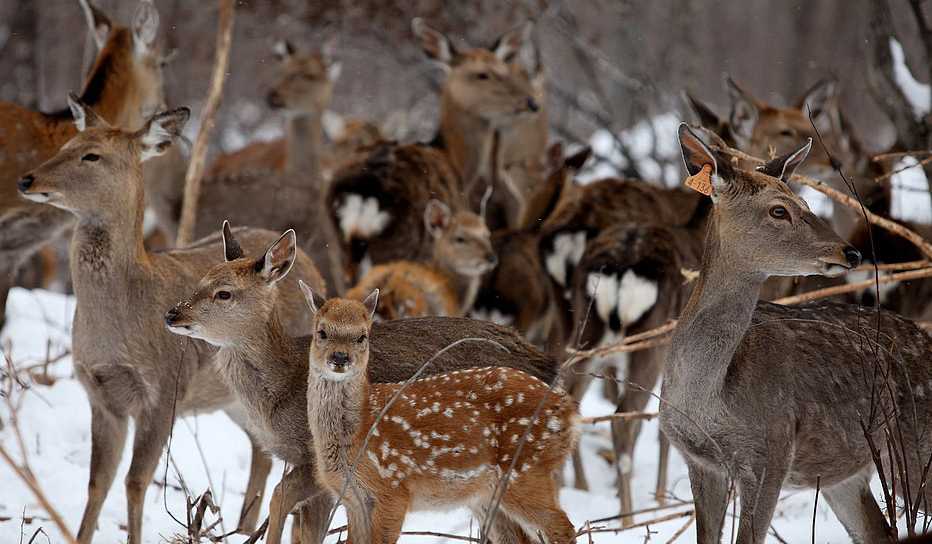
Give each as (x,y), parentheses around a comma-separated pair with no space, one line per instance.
(484,82)
(305,82)
(99,170)
(462,241)
(340,344)
(769,228)
(235,296)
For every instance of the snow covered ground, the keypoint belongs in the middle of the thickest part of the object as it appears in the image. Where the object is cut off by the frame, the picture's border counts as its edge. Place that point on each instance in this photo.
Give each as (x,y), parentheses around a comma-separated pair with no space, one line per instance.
(211,452)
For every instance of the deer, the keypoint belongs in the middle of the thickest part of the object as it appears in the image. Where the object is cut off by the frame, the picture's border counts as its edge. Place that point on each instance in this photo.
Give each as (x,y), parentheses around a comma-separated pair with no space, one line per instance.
(447,285)
(375,203)
(764,396)
(129,365)
(447,441)
(124,83)
(255,353)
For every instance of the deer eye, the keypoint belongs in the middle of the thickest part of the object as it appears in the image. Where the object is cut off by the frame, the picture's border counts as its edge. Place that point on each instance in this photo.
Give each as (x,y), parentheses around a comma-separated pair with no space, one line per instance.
(361,339)
(482,76)
(223,295)
(779,212)
(322,334)
(91,157)
(786,133)
(459,240)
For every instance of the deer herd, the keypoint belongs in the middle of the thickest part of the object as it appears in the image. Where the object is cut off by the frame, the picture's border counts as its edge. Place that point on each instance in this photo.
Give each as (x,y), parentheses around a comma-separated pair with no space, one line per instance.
(459,273)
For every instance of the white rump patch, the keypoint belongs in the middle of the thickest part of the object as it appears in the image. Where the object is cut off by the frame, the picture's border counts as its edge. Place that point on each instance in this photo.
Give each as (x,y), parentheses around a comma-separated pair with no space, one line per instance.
(916,93)
(604,290)
(361,217)
(636,295)
(567,249)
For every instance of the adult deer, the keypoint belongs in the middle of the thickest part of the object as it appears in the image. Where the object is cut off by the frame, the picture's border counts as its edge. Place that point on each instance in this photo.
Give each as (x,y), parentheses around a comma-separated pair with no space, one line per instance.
(447,441)
(376,204)
(764,396)
(124,84)
(129,365)
(268,369)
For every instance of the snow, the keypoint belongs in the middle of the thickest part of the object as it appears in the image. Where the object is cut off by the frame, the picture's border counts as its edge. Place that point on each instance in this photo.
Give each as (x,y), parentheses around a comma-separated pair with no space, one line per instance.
(910,192)
(55,424)
(641,140)
(918,94)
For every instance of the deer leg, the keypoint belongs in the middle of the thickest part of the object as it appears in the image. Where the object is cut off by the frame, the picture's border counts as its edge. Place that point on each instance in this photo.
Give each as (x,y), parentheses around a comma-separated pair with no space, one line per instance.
(533,502)
(108,435)
(297,485)
(663,462)
(387,518)
(149,440)
(259,467)
(311,521)
(504,530)
(855,507)
(580,383)
(710,493)
(759,492)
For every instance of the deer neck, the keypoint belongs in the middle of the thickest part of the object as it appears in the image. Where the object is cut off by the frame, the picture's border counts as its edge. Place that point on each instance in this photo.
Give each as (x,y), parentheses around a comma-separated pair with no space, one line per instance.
(107,245)
(335,411)
(712,324)
(111,87)
(465,287)
(467,140)
(304,142)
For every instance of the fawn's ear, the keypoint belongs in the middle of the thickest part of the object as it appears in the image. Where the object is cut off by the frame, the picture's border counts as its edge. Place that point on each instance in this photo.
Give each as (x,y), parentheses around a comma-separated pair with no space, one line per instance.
(145,27)
(314,301)
(161,130)
(437,216)
(438,47)
(279,258)
(784,167)
(231,248)
(84,116)
(745,111)
(97,22)
(372,303)
(818,97)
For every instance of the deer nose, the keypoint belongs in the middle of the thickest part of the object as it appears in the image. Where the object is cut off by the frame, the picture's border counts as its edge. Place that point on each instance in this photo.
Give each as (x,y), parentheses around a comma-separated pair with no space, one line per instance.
(25,183)
(171,316)
(492,260)
(339,358)
(853,256)
(532,104)
(274,99)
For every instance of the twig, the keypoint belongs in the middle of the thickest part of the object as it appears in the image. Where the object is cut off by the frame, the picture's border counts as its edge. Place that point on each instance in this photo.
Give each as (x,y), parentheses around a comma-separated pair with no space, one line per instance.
(679,532)
(815,505)
(655,521)
(852,287)
(621,416)
(635,342)
(194,175)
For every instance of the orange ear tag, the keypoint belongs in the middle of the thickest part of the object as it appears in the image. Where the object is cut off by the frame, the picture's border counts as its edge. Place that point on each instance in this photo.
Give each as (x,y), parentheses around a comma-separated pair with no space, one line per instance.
(702,181)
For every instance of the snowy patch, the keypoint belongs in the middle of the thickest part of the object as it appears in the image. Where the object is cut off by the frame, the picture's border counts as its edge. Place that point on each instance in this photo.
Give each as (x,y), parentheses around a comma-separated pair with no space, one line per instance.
(818,202)
(910,192)
(641,140)
(918,94)
(864,275)
(361,217)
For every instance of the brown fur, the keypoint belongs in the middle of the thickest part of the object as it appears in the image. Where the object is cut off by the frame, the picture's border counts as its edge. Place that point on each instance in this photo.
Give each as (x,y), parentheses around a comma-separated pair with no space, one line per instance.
(446,441)
(129,365)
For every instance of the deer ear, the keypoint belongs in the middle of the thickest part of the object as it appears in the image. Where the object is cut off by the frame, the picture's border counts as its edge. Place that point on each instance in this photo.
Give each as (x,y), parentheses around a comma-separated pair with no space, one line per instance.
(84,116)
(314,301)
(705,115)
(283,50)
(818,97)
(697,155)
(437,46)
(97,22)
(784,167)
(145,26)
(745,111)
(279,258)
(372,303)
(514,42)
(437,217)
(231,248)
(161,130)
(577,160)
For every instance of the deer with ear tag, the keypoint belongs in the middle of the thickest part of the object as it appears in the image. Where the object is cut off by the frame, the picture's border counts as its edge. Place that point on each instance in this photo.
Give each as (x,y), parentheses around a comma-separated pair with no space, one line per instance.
(766,396)
(437,443)
(129,365)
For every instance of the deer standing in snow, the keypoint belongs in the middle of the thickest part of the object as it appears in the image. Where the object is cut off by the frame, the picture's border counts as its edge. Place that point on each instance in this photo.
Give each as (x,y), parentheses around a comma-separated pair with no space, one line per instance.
(445,441)
(266,367)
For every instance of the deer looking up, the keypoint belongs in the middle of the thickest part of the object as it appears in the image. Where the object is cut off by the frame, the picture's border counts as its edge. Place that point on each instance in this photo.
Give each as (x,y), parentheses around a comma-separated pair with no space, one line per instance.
(128,364)
(446,442)
(266,368)
(375,204)
(761,395)
(446,285)
(124,84)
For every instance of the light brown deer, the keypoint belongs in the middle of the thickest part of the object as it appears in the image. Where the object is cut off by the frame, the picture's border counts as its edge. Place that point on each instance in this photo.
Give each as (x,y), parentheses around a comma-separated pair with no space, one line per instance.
(124,84)
(129,365)
(765,396)
(375,204)
(447,284)
(267,368)
(446,441)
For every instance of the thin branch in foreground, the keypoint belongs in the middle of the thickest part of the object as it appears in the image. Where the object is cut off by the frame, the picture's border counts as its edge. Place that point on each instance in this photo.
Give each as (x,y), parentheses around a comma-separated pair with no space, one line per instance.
(620,416)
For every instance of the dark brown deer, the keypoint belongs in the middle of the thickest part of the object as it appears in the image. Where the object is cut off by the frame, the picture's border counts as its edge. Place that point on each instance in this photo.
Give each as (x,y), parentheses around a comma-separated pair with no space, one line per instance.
(124,84)
(129,365)
(763,396)
(256,354)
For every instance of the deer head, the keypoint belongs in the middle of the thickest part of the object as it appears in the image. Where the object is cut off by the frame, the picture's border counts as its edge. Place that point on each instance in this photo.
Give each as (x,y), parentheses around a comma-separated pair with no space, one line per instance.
(462,241)
(236,295)
(485,82)
(305,81)
(340,344)
(99,170)
(760,225)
